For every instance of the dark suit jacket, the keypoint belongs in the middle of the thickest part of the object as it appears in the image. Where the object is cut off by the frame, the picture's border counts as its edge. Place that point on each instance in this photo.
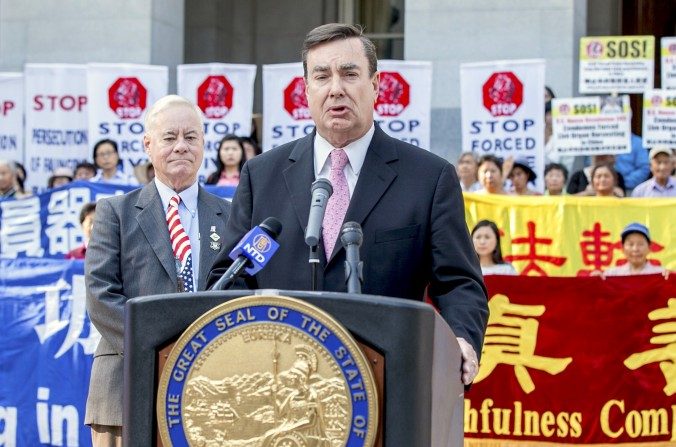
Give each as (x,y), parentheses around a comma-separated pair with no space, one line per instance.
(409,204)
(129,255)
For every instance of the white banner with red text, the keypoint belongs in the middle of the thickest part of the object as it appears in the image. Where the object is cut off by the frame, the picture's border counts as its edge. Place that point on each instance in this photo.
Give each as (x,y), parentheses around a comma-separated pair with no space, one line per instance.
(119,97)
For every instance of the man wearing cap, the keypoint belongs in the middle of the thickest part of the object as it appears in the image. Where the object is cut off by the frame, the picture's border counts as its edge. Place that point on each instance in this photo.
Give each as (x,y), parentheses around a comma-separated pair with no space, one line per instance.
(60,176)
(662,184)
(636,247)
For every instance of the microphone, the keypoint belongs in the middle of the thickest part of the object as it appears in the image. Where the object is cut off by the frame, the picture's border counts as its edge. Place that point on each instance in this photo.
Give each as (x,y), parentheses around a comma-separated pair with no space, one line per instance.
(321,191)
(252,252)
(351,237)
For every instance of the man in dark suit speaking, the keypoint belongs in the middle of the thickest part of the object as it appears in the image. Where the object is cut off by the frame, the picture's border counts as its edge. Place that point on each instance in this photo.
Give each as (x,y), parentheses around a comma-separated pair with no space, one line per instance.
(407,200)
(153,240)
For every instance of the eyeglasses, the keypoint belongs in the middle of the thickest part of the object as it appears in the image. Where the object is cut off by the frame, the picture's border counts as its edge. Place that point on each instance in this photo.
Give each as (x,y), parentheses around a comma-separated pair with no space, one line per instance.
(105,154)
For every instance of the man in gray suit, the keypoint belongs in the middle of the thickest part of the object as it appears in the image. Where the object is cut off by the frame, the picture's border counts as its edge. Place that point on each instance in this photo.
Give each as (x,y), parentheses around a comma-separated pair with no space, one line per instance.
(130,253)
(407,200)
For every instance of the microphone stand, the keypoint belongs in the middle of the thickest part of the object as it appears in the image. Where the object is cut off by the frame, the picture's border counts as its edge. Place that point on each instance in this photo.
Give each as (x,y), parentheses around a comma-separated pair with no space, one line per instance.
(314,262)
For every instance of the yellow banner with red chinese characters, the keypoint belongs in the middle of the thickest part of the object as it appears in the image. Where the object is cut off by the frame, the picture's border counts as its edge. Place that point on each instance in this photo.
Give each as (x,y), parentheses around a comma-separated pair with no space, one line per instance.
(572,236)
(576,361)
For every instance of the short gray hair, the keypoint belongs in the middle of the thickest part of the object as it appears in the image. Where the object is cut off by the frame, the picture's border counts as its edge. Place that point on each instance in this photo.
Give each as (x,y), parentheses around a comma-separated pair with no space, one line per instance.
(166,102)
(10,164)
(338,31)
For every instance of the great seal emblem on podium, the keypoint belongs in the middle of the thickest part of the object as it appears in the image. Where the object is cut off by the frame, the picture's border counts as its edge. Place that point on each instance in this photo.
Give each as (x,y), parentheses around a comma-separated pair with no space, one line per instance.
(267,371)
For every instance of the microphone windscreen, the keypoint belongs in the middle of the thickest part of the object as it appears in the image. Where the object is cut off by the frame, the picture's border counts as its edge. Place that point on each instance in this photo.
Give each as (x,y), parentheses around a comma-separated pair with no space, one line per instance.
(322,183)
(272,226)
(351,233)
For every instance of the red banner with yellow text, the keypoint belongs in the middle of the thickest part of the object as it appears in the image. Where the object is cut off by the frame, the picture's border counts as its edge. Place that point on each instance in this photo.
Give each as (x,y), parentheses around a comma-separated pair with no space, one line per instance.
(572,236)
(576,361)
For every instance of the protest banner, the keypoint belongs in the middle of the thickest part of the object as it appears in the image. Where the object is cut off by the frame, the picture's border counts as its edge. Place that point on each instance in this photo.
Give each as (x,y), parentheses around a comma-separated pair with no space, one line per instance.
(11,113)
(224,94)
(56,120)
(571,235)
(616,64)
(563,362)
(47,224)
(404,103)
(48,345)
(591,125)
(576,361)
(285,109)
(119,97)
(503,112)
(659,118)
(668,66)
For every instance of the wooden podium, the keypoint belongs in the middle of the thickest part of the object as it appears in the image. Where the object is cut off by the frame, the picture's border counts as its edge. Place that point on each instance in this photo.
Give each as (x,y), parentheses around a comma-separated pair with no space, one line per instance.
(413,353)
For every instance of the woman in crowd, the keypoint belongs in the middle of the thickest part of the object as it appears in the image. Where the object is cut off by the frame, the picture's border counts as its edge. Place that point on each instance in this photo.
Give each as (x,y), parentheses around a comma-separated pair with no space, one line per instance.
(581,181)
(86,222)
(107,160)
(555,179)
(229,163)
(468,169)
(85,171)
(486,240)
(604,183)
(520,175)
(636,247)
(490,175)
(251,148)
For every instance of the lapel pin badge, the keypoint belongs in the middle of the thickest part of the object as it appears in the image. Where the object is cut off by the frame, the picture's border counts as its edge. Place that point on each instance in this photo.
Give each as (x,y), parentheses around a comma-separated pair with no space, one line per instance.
(215,245)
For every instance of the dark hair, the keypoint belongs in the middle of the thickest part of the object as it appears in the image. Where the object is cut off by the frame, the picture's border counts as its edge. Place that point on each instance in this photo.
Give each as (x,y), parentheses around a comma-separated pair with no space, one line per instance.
(338,31)
(20,176)
(101,142)
(493,159)
(85,165)
(548,107)
(496,256)
(607,166)
(557,166)
(549,90)
(253,142)
(220,167)
(86,210)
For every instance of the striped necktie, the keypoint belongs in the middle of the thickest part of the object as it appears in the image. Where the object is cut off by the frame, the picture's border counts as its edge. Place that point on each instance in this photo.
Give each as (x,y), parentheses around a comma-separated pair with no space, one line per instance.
(180,244)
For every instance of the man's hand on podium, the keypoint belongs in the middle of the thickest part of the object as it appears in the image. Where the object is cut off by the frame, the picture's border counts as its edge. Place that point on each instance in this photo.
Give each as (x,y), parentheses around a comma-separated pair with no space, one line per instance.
(470,364)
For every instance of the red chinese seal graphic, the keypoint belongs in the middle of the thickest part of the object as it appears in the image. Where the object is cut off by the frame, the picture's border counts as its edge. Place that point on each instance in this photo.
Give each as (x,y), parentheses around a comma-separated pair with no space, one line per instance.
(564,109)
(214,96)
(393,94)
(672,48)
(295,101)
(502,93)
(127,98)
(656,101)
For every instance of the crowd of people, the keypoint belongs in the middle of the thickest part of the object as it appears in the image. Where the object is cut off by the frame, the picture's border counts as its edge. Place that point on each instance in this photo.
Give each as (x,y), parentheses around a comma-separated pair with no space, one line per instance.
(641,173)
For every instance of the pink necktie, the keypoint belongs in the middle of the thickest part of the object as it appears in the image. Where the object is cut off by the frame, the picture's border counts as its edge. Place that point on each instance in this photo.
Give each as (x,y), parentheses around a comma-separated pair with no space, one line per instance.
(338,202)
(180,243)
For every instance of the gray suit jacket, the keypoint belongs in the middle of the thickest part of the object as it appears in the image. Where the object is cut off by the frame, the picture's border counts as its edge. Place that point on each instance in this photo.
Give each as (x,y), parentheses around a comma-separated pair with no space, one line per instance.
(129,255)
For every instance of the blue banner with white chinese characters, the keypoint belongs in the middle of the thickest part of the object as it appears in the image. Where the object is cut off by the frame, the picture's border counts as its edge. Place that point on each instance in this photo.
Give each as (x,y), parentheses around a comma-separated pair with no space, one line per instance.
(47,225)
(46,348)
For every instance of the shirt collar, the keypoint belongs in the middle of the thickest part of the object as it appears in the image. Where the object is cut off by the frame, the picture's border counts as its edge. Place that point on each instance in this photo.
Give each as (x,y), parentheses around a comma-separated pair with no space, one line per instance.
(355,151)
(671,183)
(188,196)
